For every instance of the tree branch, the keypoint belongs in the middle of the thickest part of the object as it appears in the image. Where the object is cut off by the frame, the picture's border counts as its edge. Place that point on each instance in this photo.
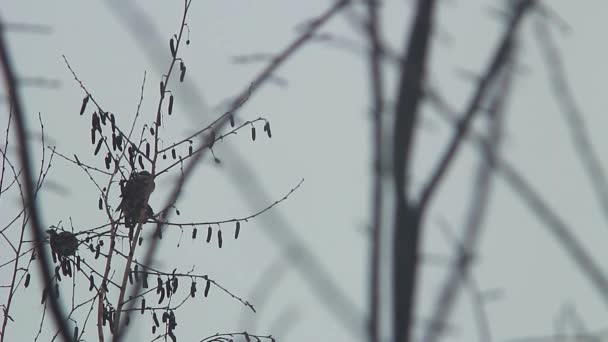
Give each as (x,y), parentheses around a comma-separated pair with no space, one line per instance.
(30,188)
(407,218)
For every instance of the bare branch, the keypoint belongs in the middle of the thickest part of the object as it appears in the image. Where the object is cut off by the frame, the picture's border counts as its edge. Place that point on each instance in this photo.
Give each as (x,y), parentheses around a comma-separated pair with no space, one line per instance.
(496,64)
(376,80)
(479,202)
(573,116)
(407,217)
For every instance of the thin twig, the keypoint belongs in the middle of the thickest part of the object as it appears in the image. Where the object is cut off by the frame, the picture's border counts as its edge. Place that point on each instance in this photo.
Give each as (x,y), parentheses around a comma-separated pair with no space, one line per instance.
(245,218)
(5,150)
(17,250)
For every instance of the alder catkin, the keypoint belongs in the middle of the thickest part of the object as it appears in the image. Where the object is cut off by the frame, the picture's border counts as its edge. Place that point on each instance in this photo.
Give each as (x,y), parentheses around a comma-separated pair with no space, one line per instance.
(193,289)
(172,47)
(113,122)
(207,287)
(98,147)
(83,107)
(182,74)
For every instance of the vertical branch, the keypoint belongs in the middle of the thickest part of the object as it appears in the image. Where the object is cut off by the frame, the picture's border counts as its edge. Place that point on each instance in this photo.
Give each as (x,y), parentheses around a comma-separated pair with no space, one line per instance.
(10,81)
(102,288)
(118,328)
(377,92)
(407,218)
(165,84)
(5,160)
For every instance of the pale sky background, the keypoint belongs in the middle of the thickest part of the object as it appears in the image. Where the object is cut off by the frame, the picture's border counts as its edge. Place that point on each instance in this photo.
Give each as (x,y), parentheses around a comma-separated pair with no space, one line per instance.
(321,132)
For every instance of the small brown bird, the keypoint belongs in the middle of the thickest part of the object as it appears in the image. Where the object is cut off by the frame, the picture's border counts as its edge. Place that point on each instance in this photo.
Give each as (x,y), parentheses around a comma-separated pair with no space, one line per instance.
(134,192)
(63,244)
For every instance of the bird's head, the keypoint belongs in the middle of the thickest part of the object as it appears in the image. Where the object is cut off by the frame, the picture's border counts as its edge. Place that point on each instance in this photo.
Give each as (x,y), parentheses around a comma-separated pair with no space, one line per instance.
(147,178)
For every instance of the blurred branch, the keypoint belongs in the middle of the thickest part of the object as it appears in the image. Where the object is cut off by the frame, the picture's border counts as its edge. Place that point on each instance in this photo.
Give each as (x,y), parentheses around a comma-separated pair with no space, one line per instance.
(407,217)
(557,227)
(448,293)
(572,115)
(263,287)
(534,201)
(496,64)
(410,216)
(39,82)
(481,316)
(478,298)
(568,320)
(18,27)
(377,92)
(10,81)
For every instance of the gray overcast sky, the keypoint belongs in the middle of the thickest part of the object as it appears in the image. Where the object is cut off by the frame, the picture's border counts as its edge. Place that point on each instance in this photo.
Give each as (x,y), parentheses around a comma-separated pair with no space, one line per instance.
(321,133)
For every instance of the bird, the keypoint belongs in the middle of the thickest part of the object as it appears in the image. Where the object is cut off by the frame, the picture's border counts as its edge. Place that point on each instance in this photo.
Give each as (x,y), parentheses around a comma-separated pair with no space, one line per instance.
(63,244)
(134,193)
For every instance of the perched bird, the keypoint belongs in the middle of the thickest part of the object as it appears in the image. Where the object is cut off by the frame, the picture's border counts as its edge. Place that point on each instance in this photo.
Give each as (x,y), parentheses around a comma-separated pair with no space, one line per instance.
(63,244)
(135,192)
